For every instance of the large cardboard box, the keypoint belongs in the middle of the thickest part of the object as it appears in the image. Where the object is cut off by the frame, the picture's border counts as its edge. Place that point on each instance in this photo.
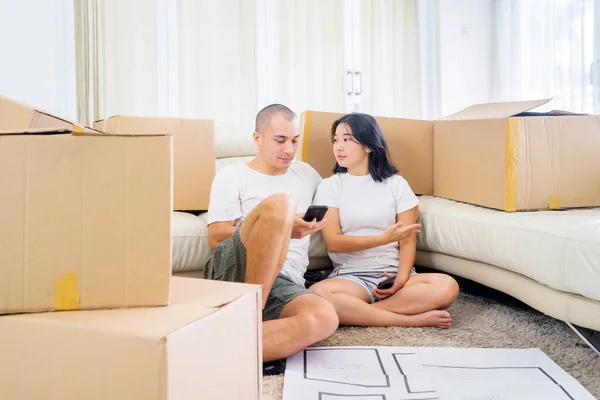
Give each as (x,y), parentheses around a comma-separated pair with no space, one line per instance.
(84,217)
(193,153)
(16,116)
(410,143)
(498,155)
(205,345)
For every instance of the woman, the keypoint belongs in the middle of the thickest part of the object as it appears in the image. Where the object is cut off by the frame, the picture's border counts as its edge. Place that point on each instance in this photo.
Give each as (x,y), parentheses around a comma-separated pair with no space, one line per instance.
(371,235)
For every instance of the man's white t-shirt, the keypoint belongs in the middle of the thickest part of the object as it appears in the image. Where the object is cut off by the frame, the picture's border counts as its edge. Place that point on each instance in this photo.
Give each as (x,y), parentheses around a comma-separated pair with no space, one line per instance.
(237,189)
(366,208)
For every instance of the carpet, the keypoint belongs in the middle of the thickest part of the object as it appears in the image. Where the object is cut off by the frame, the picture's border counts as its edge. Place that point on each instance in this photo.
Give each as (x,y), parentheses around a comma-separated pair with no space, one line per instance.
(478,322)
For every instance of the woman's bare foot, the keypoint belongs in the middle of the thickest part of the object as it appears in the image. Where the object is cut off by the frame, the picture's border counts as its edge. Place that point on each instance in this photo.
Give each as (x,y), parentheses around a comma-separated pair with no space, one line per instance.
(437,318)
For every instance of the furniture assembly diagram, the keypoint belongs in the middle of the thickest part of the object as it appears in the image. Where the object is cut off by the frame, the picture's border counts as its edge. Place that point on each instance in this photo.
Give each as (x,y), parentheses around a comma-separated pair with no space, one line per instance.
(413,373)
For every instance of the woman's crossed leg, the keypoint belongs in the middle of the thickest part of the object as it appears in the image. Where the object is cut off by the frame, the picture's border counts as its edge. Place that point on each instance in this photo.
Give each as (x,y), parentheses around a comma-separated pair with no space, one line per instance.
(421,302)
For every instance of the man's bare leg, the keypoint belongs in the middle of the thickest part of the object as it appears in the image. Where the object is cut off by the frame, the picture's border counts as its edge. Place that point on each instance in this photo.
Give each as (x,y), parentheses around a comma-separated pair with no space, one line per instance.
(421,293)
(308,318)
(305,320)
(353,306)
(266,234)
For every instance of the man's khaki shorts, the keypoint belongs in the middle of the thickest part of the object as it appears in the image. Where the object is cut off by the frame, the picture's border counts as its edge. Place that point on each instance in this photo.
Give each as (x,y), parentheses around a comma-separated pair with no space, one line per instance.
(228,263)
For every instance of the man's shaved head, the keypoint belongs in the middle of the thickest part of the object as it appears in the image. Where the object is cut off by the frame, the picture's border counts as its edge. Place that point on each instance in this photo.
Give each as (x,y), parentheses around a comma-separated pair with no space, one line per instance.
(266,115)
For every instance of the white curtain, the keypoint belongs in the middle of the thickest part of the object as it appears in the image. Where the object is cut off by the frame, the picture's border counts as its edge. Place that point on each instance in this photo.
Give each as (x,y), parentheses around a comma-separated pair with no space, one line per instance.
(227,59)
(390,64)
(300,57)
(428,16)
(116,58)
(543,49)
(181,58)
(217,63)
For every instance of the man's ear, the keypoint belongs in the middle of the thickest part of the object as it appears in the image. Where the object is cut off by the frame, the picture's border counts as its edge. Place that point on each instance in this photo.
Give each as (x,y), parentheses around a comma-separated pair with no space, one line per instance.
(257,138)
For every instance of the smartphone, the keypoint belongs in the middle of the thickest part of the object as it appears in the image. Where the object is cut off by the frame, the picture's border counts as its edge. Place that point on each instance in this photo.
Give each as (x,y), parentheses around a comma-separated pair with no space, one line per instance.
(313,212)
(386,284)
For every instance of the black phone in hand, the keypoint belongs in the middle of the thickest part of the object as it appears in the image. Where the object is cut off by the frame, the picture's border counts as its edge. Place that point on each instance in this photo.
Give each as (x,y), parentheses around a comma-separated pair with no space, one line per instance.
(313,212)
(386,284)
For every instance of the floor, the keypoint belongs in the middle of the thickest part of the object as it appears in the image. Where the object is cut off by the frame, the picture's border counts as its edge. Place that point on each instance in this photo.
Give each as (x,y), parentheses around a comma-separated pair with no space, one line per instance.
(482,317)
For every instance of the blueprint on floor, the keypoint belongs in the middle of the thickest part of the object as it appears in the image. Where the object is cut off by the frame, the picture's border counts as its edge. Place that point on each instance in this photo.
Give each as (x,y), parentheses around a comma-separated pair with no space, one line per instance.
(423,373)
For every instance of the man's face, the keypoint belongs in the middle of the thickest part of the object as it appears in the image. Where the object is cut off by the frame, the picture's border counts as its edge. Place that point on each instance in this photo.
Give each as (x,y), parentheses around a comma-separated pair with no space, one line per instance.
(278,144)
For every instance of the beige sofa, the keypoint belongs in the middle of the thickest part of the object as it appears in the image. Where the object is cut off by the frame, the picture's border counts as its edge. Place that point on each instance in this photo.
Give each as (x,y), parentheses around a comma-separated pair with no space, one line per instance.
(550,260)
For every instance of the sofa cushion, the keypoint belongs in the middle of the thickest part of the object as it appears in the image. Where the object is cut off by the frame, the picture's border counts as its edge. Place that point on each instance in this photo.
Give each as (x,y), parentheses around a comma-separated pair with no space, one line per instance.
(191,248)
(233,141)
(560,249)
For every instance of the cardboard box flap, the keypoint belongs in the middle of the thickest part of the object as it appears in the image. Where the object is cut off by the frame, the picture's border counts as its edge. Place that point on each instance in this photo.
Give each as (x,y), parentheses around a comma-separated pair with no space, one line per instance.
(100,133)
(215,293)
(139,322)
(553,113)
(35,131)
(16,115)
(154,322)
(495,110)
(146,126)
(115,116)
(54,131)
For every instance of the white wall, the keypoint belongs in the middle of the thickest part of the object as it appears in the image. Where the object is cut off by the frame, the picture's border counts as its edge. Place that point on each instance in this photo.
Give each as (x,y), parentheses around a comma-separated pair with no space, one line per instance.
(465,43)
(37,49)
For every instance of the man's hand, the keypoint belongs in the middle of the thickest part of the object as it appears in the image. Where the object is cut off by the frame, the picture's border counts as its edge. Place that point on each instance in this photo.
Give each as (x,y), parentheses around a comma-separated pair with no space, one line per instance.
(398,232)
(302,228)
(399,283)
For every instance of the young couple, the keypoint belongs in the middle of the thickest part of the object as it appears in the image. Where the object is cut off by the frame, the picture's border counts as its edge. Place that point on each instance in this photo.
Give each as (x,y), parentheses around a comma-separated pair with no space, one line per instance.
(258,236)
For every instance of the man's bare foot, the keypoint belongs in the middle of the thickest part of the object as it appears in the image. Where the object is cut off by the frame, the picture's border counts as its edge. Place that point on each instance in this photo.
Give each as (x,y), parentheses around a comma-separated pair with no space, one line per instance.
(437,318)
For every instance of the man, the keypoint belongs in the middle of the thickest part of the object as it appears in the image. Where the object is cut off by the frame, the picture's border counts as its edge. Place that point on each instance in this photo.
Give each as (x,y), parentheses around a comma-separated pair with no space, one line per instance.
(259,237)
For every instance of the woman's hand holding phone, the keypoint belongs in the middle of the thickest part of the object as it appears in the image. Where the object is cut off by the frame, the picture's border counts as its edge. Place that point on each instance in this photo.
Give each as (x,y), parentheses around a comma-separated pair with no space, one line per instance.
(399,282)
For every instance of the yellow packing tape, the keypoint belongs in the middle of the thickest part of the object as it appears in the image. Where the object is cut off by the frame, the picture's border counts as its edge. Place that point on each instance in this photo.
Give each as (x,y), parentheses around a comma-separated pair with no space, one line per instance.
(78,130)
(305,136)
(554,202)
(66,292)
(512,133)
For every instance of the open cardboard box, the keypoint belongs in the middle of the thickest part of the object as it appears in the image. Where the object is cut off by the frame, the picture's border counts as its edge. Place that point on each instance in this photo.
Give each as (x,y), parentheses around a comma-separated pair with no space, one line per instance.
(207,344)
(193,153)
(410,143)
(501,156)
(496,155)
(86,217)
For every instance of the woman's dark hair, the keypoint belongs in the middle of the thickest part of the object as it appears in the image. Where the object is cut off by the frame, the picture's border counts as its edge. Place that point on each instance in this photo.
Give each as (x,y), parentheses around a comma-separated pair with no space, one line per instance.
(367,132)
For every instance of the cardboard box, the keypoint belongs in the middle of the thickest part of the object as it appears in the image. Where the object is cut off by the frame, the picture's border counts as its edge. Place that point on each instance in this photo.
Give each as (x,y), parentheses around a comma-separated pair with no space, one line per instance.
(205,345)
(85,217)
(498,155)
(16,116)
(193,153)
(410,143)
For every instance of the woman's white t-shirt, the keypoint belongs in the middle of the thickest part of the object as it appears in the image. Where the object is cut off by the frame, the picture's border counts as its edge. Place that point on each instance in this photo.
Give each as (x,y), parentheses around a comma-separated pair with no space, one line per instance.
(366,208)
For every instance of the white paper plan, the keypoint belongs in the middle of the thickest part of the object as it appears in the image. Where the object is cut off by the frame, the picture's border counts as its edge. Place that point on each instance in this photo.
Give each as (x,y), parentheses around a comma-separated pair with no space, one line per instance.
(424,373)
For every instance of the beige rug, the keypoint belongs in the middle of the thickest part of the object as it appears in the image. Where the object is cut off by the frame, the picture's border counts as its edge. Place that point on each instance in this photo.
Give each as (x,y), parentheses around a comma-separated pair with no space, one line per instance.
(479,322)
